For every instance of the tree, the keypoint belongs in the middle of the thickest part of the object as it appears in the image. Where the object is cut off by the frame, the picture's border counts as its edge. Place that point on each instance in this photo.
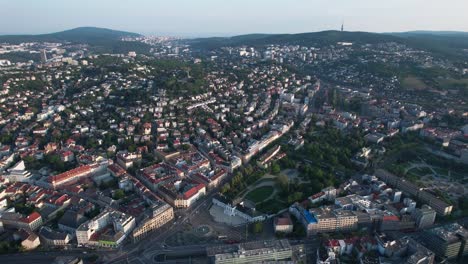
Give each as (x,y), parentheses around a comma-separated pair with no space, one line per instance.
(257,227)
(185,147)
(283,182)
(6,139)
(56,163)
(119,194)
(132,148)
(226,188)
(296,196)
(275,168)
(93,213)
(9,247)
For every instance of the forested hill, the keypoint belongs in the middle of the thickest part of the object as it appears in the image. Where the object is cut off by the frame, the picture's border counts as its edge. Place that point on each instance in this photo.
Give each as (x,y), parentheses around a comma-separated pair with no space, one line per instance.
(77,35)
(443,43)
(100,39)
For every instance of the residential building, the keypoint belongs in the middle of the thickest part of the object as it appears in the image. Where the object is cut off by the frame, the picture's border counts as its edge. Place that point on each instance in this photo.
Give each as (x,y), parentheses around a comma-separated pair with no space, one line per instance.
(441,207)
(283,224)
(403,250)
(70,176)
(161,213)
(424,216)
(70,221)
(53,238)
(332,220)
(251,252)
(15,220)
(448,241)
(108,229)
(31,242)
(182,193)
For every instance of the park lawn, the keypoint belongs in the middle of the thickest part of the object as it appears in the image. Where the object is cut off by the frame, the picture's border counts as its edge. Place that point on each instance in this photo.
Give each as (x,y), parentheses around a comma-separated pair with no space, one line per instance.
(442,172)
(256,183)
(260,194)
(271,206)
(413,83)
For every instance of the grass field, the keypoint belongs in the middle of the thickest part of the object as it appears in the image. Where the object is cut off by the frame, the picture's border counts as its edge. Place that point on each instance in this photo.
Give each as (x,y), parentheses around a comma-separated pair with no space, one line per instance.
(413,83)
(260,194)
(271,206)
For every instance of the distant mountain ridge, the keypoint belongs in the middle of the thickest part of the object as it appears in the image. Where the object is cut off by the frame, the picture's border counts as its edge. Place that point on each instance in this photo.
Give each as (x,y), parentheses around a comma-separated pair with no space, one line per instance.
(443,43)
(77,35)
(101,40)
(322,37)
(429,32)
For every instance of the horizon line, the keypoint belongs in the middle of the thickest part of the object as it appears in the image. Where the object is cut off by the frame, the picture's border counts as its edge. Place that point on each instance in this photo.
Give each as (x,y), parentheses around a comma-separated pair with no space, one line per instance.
(226,34)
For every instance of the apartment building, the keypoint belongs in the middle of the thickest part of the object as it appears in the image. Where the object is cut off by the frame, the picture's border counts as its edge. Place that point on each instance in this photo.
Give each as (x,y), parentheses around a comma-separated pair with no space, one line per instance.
(161,214)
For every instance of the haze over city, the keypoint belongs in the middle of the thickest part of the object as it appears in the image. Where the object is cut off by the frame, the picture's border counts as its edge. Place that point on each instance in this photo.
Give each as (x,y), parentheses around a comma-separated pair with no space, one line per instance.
(221,18)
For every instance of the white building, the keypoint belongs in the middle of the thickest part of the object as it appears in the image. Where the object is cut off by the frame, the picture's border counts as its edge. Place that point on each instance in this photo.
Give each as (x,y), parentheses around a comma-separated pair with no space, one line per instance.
(424,216)
(122,225)
(18,173)
(238,210)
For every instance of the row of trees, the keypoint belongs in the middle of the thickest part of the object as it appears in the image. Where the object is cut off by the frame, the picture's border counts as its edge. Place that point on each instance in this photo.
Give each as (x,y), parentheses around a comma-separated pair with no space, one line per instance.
(52,161)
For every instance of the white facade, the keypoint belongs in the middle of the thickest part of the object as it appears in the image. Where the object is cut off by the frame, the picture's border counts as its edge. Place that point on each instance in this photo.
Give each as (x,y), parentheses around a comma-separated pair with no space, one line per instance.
(19,173)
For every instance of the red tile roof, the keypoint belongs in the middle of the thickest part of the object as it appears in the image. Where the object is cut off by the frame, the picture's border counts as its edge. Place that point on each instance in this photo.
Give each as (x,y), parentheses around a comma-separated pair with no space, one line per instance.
(31,218)
(391,218)
(70,174)
(283,221)
(194,190)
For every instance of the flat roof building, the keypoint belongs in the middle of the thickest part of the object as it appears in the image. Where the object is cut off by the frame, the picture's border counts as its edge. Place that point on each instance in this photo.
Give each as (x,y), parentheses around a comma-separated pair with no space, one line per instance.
(448,241)
(161,213)
(441,207)
(251,252)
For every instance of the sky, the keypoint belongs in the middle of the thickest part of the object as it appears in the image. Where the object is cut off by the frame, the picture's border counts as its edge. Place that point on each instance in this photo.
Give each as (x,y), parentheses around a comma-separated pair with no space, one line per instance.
(232,17)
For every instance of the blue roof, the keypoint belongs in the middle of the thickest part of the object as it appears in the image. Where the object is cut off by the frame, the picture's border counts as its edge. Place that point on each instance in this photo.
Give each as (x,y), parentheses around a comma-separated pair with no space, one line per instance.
(309,217)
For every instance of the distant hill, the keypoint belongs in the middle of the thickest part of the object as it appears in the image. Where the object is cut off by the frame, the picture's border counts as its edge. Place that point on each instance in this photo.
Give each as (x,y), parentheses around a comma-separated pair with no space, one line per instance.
(313,38)
(448,43)
(441,43)
(76,35)
(428,32)
(100,39)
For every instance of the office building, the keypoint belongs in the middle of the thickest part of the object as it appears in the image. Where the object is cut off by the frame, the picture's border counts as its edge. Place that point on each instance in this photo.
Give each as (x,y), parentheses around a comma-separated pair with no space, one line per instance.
(161,214)
(442,208)
(251,252)
(332,220)
(448,241)
(424,216)
(108,229)
(43,56)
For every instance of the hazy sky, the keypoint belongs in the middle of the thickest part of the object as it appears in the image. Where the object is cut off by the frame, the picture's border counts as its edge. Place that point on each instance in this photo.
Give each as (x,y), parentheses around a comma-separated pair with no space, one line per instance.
(228,17)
